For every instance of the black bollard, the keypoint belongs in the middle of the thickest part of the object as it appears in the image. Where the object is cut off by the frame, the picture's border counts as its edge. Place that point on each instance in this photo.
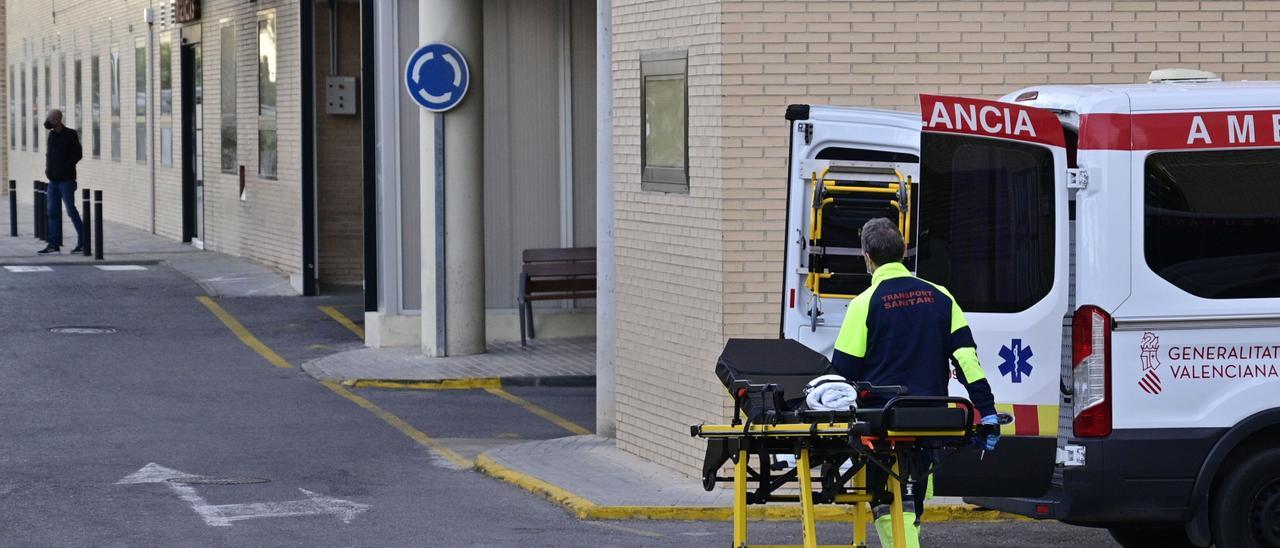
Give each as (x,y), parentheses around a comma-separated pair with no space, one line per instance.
(13,208)
(37,226)
(97,227)
(87,221)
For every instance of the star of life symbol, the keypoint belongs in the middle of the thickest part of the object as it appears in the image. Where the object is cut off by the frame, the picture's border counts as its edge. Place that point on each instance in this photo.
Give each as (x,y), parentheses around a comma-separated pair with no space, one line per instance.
(1150,346)
(1016,361)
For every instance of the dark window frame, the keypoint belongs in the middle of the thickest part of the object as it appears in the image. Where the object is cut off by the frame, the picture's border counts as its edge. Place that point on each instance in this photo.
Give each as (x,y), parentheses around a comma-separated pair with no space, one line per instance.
(671,64)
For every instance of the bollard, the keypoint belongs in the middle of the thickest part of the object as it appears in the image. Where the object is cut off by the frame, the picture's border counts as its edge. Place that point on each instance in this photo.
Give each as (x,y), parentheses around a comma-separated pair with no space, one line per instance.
(97,226)
(35,205)
(87,221)
(13,208)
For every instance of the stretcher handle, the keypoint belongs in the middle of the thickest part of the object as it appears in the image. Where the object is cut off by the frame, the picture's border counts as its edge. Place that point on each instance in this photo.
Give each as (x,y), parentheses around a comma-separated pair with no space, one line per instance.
(934,401)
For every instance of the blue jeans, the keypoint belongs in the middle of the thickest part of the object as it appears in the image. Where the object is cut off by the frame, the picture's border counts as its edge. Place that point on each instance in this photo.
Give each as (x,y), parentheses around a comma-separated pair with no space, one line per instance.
(61,192)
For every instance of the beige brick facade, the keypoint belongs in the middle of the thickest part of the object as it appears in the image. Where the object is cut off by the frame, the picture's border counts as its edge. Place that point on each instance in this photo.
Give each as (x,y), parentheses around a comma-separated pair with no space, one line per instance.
(696,269)
(267,226)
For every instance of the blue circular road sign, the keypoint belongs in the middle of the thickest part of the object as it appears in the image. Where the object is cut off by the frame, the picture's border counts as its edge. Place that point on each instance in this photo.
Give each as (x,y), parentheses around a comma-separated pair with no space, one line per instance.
(436,76)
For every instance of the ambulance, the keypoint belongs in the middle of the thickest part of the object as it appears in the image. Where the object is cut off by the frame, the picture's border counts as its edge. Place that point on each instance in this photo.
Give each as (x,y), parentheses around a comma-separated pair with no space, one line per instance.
(1116,249)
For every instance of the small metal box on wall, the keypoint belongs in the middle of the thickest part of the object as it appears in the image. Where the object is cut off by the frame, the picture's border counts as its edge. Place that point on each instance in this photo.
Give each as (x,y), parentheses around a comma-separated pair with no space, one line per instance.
(341,95)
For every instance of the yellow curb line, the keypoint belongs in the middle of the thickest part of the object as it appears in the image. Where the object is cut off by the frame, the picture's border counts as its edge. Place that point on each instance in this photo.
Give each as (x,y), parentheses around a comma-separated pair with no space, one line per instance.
(587,510)
(243,334)
(445,384)
(343,320)
(399,424)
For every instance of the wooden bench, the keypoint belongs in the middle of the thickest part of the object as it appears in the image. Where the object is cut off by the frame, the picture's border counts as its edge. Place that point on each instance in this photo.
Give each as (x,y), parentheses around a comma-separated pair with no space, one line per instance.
(552,275)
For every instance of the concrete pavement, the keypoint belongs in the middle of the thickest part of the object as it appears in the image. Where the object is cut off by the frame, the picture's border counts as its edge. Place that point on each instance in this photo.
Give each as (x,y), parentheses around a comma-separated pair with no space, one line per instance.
(561,362)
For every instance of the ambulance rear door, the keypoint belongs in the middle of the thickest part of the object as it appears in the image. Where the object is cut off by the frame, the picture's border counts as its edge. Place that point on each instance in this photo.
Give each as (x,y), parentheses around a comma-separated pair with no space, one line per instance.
(993,229)
(869,161)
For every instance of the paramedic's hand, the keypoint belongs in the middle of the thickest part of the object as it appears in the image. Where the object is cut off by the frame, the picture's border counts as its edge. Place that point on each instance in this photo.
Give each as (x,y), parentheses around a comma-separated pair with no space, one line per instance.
(990,441)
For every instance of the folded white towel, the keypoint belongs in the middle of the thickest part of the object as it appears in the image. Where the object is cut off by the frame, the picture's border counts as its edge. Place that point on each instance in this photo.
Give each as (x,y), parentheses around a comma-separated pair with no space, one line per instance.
(830,393)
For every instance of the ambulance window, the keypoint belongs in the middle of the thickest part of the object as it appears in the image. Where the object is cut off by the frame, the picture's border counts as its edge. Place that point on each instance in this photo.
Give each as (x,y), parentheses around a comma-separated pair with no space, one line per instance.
(987,221)
(1212,222)
(865,155)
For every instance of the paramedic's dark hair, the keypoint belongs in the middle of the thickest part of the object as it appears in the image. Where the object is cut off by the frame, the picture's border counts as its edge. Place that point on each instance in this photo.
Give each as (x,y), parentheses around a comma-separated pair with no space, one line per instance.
(882,242)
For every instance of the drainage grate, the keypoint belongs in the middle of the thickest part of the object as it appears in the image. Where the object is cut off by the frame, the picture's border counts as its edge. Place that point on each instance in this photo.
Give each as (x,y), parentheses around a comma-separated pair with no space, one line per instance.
(217,481)
(83,330)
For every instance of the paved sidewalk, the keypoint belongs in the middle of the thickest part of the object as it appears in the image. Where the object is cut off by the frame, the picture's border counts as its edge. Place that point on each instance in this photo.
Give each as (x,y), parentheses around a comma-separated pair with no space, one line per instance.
(592,478)
(543,362)
(218,274)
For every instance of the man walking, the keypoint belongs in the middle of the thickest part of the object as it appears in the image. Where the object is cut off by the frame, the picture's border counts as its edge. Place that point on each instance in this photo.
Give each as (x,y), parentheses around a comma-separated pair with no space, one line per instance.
(905,331)
(62,152)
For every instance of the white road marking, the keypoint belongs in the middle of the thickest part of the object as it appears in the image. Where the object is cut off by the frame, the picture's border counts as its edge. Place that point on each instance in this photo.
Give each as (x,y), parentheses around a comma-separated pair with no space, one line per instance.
(28,269)
(119,267)
(222,515)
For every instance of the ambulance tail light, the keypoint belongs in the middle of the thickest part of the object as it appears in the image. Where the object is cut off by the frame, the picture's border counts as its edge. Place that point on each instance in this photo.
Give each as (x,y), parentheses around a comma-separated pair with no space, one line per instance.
(1091,372)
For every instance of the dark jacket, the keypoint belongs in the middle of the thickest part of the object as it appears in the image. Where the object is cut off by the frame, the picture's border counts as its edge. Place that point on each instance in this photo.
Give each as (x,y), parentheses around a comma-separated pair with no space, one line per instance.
(62,152)
(906,331)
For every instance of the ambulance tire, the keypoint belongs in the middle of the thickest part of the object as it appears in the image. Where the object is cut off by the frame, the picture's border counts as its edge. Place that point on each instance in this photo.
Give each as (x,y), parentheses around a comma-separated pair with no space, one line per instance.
(1151,535)
(1245,508)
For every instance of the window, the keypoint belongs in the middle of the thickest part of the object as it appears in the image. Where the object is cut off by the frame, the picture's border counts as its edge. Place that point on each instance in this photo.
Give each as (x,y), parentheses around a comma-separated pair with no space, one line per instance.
(35,106)
(95,102)
(228,91)
(62,83)
(13,111)
(116,148)
(1212,222)
(166,75)
(48,94)
(987,221)
(140,100)
(166,99)
(664,109)
(267,145)
(77,93)
(22,73)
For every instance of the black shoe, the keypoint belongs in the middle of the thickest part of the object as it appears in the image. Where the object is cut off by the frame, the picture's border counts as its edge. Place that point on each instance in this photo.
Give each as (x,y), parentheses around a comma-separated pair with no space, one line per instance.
(50,250)
(78,250)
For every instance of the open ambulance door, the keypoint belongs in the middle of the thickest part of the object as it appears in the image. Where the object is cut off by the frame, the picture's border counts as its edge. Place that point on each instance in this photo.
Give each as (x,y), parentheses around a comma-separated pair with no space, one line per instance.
(846,166)
(993,229)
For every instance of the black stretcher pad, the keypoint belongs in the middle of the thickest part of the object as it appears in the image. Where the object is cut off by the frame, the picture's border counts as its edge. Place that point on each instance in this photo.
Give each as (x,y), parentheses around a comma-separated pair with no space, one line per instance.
(783,362)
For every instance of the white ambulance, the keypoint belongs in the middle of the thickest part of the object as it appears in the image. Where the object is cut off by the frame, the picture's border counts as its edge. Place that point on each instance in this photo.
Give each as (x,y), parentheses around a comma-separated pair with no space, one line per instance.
(1117,251)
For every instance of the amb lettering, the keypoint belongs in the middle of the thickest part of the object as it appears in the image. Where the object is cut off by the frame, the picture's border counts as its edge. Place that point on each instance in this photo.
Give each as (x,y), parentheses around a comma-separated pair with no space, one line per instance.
(1234,129)
(971,118)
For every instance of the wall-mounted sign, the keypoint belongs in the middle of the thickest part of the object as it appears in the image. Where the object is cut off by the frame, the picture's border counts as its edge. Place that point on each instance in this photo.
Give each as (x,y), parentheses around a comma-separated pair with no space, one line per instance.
(186,11)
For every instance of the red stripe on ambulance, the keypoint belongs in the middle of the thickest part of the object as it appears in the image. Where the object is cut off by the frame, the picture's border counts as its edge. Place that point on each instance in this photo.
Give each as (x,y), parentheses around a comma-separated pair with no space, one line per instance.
(1026,421)
(1180,130)
(943,114)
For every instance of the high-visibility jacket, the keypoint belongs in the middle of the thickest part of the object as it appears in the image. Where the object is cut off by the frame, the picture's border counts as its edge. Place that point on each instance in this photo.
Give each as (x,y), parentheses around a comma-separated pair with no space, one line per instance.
(906,331)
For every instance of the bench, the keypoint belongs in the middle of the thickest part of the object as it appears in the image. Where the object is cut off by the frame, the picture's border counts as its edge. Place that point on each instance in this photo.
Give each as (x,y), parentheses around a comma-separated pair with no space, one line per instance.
(552,275)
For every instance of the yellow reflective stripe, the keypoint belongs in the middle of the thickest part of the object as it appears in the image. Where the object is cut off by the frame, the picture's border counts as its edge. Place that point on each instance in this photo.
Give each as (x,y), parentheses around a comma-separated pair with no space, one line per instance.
(852,339)
(967,357)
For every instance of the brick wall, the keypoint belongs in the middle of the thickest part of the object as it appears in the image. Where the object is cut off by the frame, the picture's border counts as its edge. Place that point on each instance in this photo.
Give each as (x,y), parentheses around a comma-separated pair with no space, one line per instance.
(669,248)
(339,197)
(868,53)
(267,227)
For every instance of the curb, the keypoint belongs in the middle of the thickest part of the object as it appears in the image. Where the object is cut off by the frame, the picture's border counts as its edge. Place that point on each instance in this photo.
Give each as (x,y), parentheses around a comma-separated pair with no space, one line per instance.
(470,383)
(587,510)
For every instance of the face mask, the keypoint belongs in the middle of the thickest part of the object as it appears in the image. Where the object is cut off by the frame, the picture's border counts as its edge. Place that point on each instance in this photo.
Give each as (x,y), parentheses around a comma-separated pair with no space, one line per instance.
(47,125)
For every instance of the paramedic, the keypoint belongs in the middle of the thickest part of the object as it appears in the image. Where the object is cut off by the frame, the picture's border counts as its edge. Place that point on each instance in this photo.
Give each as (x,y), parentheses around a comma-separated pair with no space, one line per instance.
(905,331)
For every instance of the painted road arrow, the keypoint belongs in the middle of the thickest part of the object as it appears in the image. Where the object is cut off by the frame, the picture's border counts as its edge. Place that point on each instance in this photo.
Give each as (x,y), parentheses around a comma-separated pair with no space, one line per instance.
(222,515)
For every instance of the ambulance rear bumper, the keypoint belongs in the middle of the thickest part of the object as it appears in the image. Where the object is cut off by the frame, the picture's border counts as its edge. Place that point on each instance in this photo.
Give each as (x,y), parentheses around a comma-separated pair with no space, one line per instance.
(1132,476)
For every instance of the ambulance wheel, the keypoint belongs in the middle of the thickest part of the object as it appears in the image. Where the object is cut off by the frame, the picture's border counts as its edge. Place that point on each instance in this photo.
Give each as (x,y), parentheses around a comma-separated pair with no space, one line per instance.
(1245,511)
(1150,535)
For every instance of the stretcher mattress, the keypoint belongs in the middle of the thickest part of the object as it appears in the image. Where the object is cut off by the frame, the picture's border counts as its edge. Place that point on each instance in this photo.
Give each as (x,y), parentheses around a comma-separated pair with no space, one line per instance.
(783,362)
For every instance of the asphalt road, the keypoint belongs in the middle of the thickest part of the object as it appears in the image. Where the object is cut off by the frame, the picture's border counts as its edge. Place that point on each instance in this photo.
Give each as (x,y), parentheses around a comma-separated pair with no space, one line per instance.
(175,387)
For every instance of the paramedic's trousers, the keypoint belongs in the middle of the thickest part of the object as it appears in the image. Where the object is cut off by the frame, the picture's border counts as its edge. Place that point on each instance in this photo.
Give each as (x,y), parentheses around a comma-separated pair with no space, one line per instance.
(63,192)
(917,465)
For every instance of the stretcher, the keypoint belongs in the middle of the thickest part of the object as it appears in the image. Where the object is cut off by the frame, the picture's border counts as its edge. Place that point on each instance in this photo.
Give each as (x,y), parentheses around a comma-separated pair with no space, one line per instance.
(766,379)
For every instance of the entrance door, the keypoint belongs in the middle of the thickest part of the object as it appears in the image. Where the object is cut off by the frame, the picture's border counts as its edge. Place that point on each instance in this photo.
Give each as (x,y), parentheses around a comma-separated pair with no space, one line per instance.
(192,145)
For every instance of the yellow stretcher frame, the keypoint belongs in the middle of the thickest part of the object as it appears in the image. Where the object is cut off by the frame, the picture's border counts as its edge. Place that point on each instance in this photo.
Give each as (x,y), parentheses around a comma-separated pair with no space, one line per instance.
(813,281)
(801,432)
